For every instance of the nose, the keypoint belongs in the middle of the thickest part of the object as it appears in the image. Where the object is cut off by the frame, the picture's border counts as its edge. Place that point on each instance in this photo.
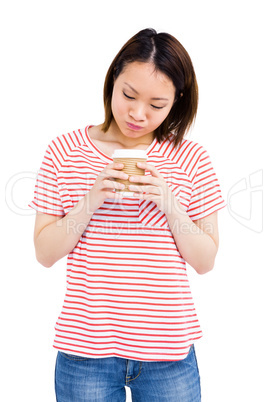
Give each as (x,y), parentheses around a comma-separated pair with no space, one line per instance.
(137,112)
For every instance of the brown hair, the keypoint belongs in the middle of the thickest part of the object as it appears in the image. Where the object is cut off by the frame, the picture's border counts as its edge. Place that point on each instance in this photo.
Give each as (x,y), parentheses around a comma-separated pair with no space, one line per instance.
(170,58)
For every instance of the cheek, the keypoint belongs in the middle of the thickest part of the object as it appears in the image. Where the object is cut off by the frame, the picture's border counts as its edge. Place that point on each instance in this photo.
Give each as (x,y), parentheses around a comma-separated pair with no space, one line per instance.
(118,106)
(158,118)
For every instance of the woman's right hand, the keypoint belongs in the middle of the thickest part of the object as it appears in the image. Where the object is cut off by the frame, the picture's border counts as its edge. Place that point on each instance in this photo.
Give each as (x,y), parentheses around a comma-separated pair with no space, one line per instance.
(104,186)
(55,236)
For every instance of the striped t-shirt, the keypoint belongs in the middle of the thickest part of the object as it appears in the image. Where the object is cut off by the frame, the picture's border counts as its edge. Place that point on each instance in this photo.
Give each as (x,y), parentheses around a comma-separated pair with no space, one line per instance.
(127,292)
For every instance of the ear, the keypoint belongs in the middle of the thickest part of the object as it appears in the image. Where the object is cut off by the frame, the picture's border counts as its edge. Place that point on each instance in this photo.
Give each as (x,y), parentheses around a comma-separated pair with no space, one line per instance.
(178,97)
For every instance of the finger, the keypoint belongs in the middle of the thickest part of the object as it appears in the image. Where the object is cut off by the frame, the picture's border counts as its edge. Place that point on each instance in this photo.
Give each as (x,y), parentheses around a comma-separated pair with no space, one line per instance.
(117,174)
(145,180)
(145,189)
(150,168)
(107,183)
(113,194)
(146,197)
(115,165)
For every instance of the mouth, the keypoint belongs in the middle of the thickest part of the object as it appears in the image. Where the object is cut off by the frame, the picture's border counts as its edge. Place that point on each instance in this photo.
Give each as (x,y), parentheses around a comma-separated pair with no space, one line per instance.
(133,126)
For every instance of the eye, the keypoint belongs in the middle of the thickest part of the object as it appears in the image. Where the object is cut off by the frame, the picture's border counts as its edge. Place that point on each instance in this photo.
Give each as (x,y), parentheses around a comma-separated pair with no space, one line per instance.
(157,107)
(126,96)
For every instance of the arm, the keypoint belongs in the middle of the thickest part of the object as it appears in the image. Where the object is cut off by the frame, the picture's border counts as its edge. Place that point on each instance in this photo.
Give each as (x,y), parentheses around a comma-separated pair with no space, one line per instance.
(55,237)
(197,240)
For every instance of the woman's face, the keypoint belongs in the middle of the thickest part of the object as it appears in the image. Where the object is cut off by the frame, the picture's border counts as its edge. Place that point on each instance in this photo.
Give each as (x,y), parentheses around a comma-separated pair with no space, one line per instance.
(141,100)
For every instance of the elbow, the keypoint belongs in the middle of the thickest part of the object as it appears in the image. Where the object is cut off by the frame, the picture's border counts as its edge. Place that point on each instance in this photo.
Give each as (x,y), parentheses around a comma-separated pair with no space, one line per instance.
(46,264)
(203,267)
(206,262)
(42,255)
(43,260)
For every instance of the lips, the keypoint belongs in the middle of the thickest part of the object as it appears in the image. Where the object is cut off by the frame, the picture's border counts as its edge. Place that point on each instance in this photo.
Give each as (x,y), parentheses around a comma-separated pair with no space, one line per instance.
(134,127)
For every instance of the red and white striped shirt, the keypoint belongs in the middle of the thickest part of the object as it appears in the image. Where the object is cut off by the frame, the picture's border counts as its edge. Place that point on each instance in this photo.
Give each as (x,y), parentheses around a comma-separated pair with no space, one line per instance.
(127,291)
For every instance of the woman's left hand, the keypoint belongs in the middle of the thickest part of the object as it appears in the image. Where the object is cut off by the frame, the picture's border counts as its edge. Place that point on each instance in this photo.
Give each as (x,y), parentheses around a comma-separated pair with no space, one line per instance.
(153,188)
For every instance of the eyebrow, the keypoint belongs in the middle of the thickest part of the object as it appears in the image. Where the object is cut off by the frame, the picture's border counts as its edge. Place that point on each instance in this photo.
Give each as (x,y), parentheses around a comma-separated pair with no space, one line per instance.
(136,92)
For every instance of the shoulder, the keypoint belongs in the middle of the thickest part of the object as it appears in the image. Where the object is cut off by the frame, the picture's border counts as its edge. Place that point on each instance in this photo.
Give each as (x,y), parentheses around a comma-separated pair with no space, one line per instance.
(188,155)
(64,146)
(70,140)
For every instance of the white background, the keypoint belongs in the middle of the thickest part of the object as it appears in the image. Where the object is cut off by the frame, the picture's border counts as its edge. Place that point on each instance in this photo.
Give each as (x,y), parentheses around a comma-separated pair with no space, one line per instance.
(55,55)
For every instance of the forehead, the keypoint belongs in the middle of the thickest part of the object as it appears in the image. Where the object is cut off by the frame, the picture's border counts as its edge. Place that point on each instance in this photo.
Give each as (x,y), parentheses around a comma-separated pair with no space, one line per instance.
(144,77)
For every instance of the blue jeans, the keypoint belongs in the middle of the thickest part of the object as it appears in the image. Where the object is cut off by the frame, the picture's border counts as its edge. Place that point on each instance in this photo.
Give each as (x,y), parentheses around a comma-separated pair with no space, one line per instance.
(80,379)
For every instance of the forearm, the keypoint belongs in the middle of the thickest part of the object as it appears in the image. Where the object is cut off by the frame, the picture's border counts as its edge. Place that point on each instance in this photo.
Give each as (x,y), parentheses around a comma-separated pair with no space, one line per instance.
(54,238)
(196,246)
(59,238)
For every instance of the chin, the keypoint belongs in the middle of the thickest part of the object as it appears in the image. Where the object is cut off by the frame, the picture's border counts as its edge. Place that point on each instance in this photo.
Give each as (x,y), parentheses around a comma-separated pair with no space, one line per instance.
(133,134)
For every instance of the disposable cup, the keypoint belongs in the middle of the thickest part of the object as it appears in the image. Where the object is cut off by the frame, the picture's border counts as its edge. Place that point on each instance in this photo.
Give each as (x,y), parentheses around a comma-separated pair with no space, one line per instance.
(130,158)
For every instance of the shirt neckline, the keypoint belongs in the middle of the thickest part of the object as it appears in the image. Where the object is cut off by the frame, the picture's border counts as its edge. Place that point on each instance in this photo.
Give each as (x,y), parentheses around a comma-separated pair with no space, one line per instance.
(106,157)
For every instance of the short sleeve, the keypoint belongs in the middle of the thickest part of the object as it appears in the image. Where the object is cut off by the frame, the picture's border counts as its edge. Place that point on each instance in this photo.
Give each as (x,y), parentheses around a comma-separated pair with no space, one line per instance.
(206,196)
(46,195)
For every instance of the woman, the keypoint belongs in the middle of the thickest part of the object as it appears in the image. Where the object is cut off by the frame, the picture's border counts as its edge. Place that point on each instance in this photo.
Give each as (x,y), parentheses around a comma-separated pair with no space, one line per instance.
(128,316)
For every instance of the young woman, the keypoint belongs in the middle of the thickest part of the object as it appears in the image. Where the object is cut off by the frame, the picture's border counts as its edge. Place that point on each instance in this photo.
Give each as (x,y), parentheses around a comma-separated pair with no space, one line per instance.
(128,316)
